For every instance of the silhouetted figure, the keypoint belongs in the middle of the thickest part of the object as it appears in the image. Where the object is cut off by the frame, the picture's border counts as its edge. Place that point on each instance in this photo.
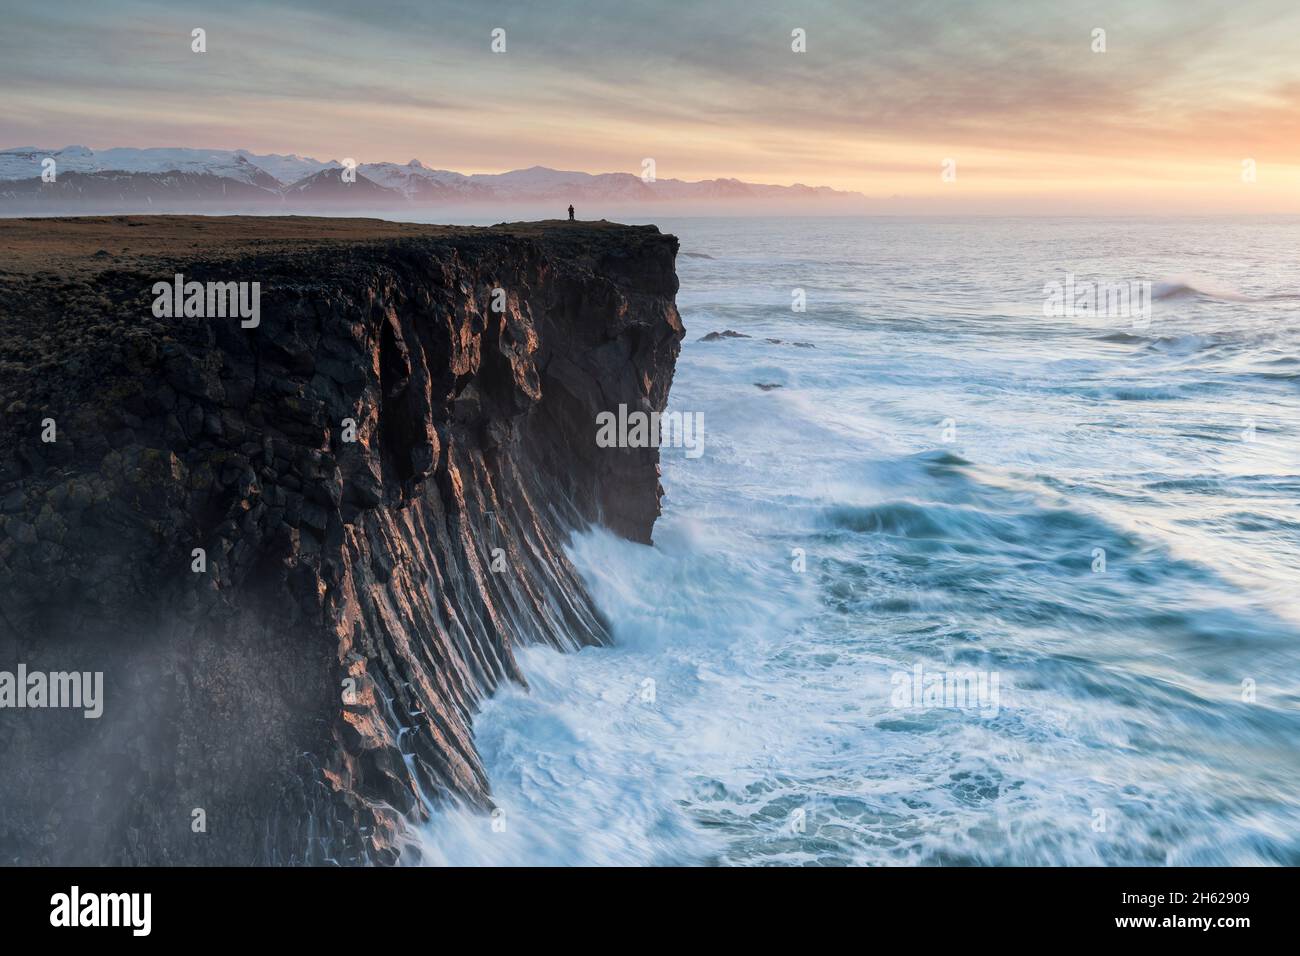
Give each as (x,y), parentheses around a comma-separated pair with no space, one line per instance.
(570,212)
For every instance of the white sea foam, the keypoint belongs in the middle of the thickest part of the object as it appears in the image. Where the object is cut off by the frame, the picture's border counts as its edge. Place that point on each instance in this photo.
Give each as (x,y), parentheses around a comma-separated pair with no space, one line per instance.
(950,465)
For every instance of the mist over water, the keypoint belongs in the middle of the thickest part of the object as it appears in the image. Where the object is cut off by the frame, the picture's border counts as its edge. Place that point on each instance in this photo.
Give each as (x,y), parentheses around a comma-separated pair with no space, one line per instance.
(952,463)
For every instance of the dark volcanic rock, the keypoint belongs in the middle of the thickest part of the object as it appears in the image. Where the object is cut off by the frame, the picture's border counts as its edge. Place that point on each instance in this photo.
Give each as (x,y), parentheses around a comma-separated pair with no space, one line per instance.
(310,690)
(724,334)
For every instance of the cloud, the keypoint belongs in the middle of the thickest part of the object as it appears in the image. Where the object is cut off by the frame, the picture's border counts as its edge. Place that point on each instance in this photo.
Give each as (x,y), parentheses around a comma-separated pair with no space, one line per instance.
(883,93)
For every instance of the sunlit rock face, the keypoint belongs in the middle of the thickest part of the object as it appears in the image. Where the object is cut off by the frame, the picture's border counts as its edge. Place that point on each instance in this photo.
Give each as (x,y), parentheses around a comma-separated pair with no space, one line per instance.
(300,551)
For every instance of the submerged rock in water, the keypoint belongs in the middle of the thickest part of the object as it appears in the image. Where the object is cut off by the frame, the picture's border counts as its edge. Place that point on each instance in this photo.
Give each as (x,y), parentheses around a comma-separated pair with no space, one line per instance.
(725,334)
(300,552)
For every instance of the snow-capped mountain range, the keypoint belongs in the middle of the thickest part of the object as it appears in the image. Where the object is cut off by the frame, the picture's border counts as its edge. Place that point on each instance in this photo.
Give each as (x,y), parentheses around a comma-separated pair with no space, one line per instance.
(129,178)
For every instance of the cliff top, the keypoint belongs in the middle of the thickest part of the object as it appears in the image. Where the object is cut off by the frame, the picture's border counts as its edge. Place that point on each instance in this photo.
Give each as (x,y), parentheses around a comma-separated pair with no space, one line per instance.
(87,245)
(76,293)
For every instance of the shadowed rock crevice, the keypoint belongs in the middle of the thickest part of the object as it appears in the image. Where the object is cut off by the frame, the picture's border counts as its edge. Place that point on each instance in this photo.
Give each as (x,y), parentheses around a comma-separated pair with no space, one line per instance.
(312,689)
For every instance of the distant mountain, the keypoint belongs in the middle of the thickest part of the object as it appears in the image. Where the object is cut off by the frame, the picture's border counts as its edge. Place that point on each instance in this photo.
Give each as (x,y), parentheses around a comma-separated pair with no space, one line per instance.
(328,185)
(418,182)
(25,162)
(287,169)
(141,179)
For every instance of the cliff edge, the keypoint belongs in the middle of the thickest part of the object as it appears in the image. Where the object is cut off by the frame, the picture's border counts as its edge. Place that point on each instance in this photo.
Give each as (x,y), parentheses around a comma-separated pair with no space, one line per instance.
(301,538)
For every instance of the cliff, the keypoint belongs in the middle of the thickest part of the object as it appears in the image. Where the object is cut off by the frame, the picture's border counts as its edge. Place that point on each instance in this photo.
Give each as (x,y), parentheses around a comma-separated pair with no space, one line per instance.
(381,470)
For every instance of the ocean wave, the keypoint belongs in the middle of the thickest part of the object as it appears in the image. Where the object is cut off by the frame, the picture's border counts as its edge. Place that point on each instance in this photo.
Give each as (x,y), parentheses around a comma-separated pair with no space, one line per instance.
(1174,289)
(1122,567)
(1184,344)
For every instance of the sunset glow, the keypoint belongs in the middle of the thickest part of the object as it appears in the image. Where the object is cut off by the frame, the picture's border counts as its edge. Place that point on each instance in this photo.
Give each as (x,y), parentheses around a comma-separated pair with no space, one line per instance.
(1168,118)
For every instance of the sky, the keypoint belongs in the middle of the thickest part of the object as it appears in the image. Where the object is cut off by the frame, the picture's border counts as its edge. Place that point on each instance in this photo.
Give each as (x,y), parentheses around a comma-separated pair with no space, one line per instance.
(1193,107)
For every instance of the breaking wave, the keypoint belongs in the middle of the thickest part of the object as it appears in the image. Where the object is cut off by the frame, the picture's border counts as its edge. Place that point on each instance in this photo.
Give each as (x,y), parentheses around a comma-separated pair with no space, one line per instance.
(1110,531)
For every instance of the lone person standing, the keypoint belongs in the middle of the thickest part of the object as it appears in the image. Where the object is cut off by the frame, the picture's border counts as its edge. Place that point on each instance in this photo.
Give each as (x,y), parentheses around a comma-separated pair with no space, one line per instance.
(570,212)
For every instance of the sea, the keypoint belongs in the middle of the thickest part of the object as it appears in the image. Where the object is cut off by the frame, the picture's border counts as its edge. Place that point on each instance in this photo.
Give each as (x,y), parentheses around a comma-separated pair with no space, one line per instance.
(969,570)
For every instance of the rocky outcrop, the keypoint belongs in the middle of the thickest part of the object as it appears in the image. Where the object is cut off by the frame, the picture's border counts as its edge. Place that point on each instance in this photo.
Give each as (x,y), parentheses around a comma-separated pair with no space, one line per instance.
(301,553)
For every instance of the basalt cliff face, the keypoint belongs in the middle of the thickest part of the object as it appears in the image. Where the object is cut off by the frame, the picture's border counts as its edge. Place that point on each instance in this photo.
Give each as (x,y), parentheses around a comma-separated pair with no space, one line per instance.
(381,476)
